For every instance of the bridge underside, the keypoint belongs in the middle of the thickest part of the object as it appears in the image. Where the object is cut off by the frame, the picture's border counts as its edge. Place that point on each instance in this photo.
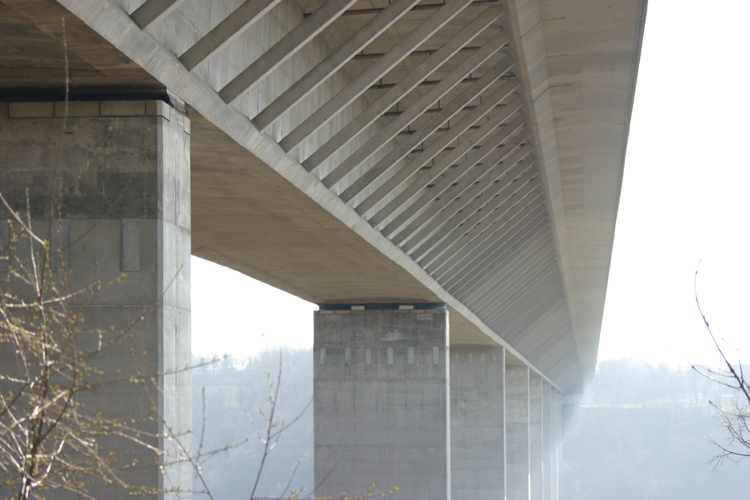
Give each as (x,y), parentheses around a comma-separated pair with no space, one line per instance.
(441,177)
(465,153)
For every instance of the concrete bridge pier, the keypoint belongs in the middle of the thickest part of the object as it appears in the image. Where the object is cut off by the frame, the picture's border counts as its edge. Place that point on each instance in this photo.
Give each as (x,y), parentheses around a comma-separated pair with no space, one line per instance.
(518,432)
(556,442)
(394,406)
(382,412)
(477,423)
(547,440)
(113,179)
(536,437)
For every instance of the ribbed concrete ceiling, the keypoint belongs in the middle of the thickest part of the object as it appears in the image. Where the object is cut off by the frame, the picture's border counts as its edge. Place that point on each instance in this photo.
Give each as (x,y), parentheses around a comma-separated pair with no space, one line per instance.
(481,165)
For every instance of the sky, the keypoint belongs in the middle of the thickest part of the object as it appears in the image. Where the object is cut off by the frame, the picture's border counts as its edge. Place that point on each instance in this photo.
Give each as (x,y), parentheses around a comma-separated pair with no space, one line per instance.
(684,200)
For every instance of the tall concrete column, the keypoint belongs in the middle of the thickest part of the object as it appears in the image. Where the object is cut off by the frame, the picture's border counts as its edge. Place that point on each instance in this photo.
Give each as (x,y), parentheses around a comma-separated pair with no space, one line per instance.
(536,437)
(518,466)
(477,423)
(547,438)
(557,442)
(382,413)
(113,179)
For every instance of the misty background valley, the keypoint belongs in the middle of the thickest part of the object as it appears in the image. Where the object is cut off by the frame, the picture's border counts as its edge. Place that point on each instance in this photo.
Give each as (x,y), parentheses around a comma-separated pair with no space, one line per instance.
(641,433)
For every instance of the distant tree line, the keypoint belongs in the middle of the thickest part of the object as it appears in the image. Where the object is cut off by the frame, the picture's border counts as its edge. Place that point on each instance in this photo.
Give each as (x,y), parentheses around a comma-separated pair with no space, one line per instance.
(226,398)
(643,432)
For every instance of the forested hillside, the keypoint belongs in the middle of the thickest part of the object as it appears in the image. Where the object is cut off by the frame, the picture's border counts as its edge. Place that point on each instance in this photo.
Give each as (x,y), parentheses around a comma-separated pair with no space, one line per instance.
(234,392)
(642,434)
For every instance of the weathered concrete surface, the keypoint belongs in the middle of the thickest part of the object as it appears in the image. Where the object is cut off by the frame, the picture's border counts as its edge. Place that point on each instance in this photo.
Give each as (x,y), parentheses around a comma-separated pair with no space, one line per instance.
(556,448)
(518,248)
(477,423)
(126,208)
(382,412)
(536,437)
(580,61)
(549,439)
(517,431)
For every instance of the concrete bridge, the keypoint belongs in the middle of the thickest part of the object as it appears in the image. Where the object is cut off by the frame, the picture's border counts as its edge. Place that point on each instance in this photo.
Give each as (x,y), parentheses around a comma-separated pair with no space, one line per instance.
(441,177)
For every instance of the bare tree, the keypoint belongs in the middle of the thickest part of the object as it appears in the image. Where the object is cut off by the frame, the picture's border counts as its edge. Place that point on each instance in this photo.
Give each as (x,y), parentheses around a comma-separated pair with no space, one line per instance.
(48,441)
(53,435)
(735,413)
(50,438)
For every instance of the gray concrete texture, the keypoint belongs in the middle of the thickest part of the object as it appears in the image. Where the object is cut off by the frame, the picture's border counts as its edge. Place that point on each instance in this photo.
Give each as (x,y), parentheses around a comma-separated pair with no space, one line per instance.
(517,432)
(381,409)
(548,440)
(477,423)
(557,442)
(536,437)
(125,207)
(191,21)
(571,64)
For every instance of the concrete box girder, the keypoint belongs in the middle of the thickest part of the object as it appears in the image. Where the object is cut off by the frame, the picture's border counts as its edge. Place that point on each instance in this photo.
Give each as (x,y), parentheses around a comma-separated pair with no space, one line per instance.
(574,64)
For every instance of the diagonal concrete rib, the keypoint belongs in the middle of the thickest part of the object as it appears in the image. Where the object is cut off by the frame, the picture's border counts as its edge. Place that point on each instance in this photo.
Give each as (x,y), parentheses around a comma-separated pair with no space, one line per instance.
(474,213)
(532,296)
(284,49)
(533,235)
(118,29)
(360,84)
(467,189)
(415,110)
(404,86)
(412,168)
(479,220)
(415,196)
(333,62)
(236,23)
(470,217)
(461,178)
(500,243)
(509,268)
(428,185)
(456,105)
(463,251)
(518,225)
(535,261)
(470,201)
(534,281)
(153,11)
(526,297)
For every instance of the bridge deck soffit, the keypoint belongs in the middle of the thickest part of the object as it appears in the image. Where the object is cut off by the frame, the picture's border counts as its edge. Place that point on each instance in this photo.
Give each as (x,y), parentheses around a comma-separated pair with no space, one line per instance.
(417,150)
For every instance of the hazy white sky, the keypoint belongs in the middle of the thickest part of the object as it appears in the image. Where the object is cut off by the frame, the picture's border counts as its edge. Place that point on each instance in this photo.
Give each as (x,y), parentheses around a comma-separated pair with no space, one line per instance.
(684,198)
(685,192)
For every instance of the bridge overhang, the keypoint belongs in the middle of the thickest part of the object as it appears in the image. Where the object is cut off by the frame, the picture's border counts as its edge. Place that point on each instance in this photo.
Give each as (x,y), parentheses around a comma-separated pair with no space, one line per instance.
(576,64)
